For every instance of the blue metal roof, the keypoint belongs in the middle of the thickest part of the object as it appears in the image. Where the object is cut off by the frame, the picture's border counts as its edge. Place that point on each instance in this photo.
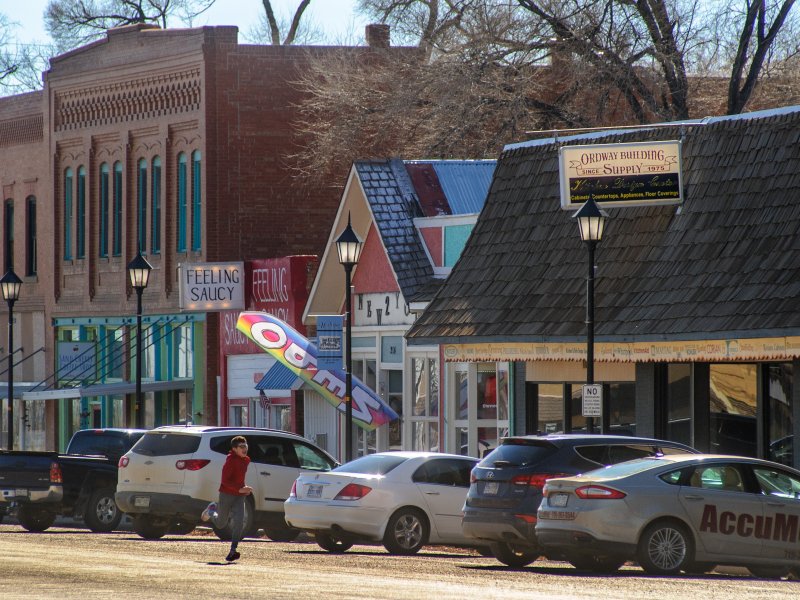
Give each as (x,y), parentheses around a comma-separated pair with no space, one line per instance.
(278,377)
(465,183)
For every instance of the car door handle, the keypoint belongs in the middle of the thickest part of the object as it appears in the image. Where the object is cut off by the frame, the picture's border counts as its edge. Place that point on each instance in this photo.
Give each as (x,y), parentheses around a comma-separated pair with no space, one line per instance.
(693,497)
(432,493)
(265,473)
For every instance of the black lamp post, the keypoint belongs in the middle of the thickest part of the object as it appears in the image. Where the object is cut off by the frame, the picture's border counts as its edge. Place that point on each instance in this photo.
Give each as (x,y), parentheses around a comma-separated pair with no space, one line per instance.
(349,246)
(139,272)
(10,285)
(592,222)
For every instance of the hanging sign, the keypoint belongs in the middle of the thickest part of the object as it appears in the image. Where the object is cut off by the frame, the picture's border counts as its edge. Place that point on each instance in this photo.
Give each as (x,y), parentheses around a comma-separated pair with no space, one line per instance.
(613,175)
(330,346)
(211,287)
(300,356)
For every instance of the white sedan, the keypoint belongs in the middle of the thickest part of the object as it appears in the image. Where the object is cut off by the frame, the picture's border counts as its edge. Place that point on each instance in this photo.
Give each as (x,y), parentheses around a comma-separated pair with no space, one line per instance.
(403,499)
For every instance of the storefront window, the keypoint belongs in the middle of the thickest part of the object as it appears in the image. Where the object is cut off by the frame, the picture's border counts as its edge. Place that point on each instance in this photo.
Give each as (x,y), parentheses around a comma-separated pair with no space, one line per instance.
(733,396)
(779,413)
(487,391)
(550,408)
(462,394)
(393,382)
(365,370)
(577,420)
(679,395)
(424,404)
(622,408)
(183,355)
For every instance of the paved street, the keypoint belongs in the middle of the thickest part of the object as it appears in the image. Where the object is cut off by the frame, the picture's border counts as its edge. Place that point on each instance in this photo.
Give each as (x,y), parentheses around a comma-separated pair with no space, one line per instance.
(68,563)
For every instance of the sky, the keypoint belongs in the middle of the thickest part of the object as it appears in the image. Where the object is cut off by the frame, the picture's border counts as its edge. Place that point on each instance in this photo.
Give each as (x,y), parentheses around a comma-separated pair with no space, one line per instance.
(337,19)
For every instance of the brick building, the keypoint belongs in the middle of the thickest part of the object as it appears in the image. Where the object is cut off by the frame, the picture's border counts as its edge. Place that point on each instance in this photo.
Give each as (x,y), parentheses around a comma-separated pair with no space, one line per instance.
(175,142)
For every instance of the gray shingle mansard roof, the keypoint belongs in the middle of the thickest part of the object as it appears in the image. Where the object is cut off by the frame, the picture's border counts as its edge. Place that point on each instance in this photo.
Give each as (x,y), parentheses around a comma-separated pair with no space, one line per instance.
(726,264)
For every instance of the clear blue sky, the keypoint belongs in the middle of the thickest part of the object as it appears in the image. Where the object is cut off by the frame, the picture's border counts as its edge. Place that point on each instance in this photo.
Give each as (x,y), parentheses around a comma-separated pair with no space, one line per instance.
(337,19)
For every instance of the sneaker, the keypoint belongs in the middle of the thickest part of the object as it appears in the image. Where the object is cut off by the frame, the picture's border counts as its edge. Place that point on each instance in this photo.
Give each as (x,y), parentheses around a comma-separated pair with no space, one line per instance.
(210,510)
(232,556)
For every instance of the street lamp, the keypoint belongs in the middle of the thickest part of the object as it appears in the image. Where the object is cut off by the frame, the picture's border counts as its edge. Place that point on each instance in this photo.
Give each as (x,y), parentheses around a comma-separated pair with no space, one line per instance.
(139,272)
(349,246)
(592,222)
(10,285)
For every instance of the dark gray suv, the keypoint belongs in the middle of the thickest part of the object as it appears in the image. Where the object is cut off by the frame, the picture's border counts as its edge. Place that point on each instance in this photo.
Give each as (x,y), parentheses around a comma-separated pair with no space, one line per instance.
(506,486)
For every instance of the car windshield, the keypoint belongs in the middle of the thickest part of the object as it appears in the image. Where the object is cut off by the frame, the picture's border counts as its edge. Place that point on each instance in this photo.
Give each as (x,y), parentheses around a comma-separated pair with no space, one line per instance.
(373,464)
(624,469)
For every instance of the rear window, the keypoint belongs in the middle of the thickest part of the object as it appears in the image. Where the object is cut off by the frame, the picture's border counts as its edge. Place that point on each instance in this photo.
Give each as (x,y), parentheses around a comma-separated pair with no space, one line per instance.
(166,444)
(101,444)
(372,464)
(624,469)
(517,454)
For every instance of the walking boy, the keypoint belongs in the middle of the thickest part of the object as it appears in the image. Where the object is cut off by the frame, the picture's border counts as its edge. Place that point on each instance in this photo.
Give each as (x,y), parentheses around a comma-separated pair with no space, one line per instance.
(232,494)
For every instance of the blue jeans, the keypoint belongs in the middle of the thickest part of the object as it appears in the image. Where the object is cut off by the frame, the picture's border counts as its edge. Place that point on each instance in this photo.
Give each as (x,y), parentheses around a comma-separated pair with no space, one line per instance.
(230,508)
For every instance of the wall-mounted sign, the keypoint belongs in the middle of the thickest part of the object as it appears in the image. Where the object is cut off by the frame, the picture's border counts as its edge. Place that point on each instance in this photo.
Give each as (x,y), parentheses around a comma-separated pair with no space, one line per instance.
(76,361)
(634,174)
(592,397)
(383,308)
(211,287)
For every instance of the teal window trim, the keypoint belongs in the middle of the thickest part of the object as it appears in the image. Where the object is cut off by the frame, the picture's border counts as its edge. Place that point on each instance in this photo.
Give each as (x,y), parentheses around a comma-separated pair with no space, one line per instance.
(117,233)
(196,202)
(128,320)
(30,237)
(103,210)
(80,251)
(141,221)
(68,214)
(181,239)
(155,234)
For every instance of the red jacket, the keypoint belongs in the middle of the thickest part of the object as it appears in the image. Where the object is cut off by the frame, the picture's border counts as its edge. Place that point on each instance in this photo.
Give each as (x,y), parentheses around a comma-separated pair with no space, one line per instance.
(233,473)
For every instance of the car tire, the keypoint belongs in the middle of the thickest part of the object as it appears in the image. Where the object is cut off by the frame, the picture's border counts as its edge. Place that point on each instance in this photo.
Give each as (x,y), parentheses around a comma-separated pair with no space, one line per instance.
(332,543)
(514,555)
(150,527)
(406,532)
(665,548)
(248,528)
(281,534)
(102,513)
(182,527)
(34,518)
(768,572)
(596,564)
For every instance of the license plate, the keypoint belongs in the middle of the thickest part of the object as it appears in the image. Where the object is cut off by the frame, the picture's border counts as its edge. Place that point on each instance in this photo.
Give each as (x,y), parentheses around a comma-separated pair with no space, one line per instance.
(141,501)
(314,490)
(558,500)
(490,488)
(557,515)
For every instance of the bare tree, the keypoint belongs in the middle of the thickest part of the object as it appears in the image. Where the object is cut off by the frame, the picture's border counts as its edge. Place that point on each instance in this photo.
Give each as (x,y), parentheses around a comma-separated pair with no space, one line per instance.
(21,64)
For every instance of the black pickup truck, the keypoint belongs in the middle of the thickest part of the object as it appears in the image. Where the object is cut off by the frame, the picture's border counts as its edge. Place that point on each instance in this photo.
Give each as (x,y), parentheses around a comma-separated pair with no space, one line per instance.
(38,486)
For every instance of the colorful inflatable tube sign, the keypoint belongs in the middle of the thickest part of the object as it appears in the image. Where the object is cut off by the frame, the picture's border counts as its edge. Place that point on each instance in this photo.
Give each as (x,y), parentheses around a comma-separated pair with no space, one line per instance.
(294,351)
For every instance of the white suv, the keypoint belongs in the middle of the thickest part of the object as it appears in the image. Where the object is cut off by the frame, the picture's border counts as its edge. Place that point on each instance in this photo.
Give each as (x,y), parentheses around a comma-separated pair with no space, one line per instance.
(171,474)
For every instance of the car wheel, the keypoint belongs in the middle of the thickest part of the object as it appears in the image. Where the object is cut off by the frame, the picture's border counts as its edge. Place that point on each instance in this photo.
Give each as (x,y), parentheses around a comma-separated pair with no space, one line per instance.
(596,564)
(282,534)
(102,513)
(406,532)
(768,572)
(35,519)
(226,532)
(182,527)
(665,548)
(150,527)
(332,543)
(514,555)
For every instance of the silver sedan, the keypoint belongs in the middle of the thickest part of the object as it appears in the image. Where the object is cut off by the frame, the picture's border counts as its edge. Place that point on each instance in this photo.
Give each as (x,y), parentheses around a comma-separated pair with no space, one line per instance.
(676,513)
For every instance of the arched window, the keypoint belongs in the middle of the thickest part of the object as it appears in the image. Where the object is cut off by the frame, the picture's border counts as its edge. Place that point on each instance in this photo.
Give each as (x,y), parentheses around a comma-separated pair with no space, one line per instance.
(155,234)
(30,236)
(117,223)
(80,251)
(181,237)
(197,209)
(68,214)
(8,233)
(141,221)
(103,200)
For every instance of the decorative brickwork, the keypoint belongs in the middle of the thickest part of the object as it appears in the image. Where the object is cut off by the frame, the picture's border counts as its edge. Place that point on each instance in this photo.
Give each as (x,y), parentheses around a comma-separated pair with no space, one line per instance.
(141,98)
(24,130)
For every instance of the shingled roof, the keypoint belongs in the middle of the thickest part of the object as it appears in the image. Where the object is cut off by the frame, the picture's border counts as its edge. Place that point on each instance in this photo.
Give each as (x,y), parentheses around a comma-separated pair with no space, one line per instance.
(725,263)
(395,202)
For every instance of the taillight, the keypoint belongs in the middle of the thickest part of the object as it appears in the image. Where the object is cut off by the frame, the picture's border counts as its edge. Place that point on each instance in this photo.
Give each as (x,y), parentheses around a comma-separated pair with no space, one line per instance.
(535,479)
(191,464)
(472,477)
(598,492)
(531,519)
(55,473)
(353,491)
(123,462)
(293,493)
